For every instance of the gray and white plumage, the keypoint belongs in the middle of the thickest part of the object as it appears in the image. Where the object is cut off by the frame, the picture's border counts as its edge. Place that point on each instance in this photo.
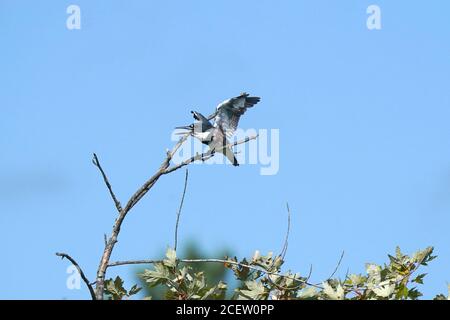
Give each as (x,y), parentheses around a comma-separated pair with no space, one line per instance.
(229,112)
(225,122)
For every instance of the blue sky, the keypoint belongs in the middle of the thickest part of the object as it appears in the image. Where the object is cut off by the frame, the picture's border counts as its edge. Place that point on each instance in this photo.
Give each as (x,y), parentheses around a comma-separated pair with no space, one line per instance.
(363,119)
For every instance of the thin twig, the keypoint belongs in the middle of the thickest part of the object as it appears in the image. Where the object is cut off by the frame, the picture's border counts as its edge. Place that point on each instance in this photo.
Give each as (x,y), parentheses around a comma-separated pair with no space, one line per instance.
(179,209)
(286,240)
(310,272)
(346,274)
(82,275)
(337,266)
(96,163)
(285,244)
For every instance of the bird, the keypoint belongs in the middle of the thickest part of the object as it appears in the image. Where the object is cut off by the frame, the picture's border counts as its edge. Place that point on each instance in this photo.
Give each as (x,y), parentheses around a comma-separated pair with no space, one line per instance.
(225,121)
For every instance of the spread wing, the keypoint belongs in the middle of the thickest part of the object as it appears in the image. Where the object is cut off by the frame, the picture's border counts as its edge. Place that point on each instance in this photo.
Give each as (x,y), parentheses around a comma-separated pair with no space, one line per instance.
(229,112)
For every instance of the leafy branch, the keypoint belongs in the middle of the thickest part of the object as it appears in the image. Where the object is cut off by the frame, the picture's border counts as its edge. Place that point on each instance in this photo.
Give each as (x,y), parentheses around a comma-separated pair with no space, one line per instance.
(261,276)
(263,279)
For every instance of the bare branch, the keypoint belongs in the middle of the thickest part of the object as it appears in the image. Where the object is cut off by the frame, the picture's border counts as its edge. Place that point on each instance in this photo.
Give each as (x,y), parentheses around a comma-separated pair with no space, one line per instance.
(136,197)
(96,163)
(104,261)
(117,225)
(82,275)
(179,209)
(150,182)
(131,262)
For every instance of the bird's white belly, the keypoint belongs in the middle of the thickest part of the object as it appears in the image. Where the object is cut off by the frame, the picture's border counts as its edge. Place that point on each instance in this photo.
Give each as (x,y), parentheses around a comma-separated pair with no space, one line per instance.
(203,136)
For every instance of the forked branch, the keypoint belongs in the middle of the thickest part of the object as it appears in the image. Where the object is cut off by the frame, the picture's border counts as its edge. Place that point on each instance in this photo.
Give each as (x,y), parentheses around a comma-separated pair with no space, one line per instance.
(134,199)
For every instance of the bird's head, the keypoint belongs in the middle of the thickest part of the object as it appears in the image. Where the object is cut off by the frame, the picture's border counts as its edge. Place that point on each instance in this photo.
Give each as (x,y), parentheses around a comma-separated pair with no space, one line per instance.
(196,115)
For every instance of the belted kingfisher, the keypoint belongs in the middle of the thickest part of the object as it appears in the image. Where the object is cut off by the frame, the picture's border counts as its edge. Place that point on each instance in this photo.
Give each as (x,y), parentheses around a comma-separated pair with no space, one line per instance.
(226,119)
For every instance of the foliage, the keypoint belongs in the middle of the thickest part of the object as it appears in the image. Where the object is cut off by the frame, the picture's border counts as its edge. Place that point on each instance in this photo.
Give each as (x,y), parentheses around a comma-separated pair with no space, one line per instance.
(213,272)
(262,279)
(182,283)
(114,289)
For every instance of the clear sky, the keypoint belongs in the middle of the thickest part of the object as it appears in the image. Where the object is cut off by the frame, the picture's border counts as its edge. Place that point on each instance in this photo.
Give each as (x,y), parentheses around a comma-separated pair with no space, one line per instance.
(363,118)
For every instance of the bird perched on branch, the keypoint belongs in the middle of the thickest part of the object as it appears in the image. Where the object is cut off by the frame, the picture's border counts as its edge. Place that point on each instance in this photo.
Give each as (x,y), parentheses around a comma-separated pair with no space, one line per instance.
(225,122)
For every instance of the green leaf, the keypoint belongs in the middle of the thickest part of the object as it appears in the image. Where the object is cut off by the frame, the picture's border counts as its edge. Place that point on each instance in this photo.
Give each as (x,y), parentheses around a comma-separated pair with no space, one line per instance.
(307,293)
(419,278)
(402,292)
(134,289)
(440,297)
(171,258)
(398,253)
(384,290)
(216,292)
(374,273)
(118,283)
(115,288)
(158,276)
(356,279)
(333,294)
(414,294)
(242,273)
(256,290)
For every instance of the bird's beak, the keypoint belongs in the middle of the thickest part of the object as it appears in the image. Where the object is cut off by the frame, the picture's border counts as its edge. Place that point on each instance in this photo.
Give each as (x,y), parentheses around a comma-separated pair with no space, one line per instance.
(184,127)
(188,128)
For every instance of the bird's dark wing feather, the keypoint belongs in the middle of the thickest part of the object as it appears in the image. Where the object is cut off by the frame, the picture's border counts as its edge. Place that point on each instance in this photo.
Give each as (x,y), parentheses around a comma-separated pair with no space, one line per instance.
(230,111)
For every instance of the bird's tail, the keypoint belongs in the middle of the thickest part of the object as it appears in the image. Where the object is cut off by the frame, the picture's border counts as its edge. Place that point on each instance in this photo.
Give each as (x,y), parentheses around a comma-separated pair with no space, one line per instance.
(230,156)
